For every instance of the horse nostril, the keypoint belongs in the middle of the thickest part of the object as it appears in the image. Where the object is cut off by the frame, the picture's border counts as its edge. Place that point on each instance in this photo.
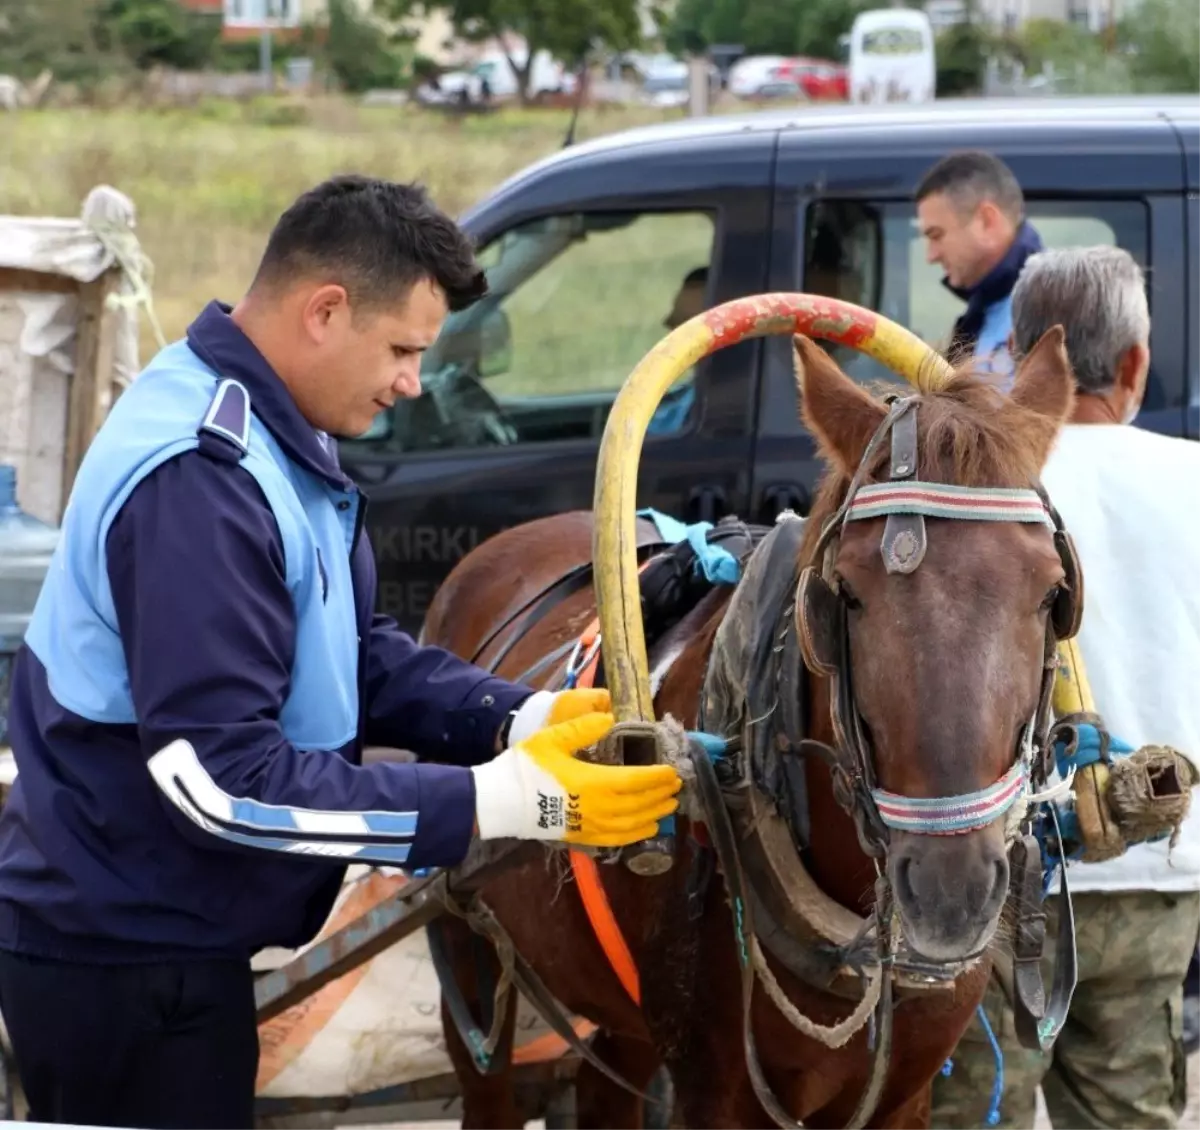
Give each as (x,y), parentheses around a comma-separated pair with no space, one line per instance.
(903,881)
(1000,882)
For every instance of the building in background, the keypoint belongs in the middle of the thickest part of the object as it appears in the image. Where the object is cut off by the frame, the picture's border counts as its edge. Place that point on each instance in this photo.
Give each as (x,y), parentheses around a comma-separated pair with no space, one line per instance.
(1095,15)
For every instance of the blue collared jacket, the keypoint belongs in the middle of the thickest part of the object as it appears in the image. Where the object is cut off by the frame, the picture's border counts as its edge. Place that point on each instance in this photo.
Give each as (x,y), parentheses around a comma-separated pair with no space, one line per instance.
(201,673)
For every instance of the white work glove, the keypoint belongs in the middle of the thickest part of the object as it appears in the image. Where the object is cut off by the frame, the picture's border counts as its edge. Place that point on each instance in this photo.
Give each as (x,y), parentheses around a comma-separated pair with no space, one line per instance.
(538,790)
(548,708)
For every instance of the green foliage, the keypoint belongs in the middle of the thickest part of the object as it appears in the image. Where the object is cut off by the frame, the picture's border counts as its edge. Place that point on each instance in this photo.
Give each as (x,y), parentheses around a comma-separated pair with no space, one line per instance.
(763,27)
(358,52)
(1163,38)
(85,41)
(568,29)
(150,32)
(962,51)
(1063,45)
(61,35)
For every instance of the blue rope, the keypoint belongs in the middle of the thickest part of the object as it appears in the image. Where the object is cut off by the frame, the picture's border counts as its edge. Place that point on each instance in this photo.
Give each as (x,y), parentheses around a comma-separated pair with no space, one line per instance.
(719,566)
(993,1114)
(714,745)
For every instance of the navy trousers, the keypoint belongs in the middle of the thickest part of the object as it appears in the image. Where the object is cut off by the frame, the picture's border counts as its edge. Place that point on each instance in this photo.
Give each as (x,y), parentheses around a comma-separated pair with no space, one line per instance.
(171,1045)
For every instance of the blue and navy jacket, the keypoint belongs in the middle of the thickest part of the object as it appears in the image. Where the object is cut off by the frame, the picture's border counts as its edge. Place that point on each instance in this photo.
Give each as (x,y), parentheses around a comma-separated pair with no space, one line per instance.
(983,328)
(201,672)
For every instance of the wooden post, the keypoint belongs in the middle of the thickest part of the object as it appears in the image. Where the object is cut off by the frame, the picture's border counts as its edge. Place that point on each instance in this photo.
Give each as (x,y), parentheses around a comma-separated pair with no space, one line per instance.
(91,384)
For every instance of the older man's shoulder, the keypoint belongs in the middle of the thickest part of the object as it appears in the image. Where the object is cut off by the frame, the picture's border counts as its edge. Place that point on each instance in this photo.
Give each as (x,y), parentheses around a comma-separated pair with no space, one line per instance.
(1087,452)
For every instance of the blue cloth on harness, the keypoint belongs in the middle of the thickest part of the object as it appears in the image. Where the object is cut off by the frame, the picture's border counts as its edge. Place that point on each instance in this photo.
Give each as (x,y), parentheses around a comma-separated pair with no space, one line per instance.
(1087,751)
(720,567)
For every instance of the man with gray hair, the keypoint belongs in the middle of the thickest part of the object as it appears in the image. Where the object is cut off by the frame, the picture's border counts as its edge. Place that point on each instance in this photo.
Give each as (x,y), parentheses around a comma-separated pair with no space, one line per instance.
(1129,498)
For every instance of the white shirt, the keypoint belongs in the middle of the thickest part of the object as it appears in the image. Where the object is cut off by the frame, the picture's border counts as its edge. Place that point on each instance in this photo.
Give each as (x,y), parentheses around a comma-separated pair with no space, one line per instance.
(1131,500)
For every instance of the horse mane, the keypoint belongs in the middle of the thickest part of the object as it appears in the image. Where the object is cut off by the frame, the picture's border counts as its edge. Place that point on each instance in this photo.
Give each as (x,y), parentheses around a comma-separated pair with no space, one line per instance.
(968,433)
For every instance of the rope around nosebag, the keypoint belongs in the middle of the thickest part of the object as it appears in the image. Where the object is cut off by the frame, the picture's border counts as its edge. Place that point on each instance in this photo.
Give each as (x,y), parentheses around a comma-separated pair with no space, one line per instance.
(833,1035)
(673,746)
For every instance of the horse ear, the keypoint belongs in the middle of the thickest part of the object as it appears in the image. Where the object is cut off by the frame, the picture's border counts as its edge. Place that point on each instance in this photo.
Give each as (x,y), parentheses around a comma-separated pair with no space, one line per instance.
(1044,381)
(839,413)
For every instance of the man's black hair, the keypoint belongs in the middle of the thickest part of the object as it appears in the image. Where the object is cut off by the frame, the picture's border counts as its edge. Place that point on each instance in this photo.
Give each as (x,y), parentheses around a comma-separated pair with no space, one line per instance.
(374,237)
(971,176)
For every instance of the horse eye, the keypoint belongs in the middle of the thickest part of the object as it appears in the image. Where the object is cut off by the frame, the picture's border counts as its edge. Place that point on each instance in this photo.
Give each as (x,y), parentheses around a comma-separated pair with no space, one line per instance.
(1050,597)
(847,594)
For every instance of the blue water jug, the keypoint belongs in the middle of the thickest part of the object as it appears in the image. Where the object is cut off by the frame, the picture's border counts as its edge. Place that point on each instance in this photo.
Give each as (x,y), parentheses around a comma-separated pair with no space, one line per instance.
(26,545)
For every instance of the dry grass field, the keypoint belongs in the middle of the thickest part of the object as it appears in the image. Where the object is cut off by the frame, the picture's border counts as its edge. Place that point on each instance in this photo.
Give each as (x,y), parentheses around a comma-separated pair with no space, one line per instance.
(209,181)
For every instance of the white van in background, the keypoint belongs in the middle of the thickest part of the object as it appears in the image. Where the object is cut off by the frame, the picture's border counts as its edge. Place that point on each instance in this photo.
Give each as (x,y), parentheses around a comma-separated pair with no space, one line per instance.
(891,57)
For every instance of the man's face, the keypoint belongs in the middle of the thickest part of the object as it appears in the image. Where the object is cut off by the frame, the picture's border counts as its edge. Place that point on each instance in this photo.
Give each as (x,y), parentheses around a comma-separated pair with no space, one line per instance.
(364,362)
(965,244)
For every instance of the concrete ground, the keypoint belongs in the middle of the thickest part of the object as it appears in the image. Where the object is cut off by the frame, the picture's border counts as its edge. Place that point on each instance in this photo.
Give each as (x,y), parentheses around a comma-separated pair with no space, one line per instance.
(1189,1121)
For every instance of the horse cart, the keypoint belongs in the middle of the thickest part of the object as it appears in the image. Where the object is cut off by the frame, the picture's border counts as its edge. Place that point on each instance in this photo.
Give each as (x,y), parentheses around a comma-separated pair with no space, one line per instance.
(780,916)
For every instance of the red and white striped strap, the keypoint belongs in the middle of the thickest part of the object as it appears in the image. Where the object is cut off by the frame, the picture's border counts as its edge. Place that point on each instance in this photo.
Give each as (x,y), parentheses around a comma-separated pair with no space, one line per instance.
(943,500)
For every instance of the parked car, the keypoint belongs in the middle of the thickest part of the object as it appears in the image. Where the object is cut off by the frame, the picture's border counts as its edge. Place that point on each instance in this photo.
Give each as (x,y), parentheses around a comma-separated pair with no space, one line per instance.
(748,75)
(594,251)
(820,79)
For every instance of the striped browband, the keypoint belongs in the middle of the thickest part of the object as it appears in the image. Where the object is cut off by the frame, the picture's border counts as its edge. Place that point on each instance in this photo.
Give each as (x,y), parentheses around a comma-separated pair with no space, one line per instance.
(943,500)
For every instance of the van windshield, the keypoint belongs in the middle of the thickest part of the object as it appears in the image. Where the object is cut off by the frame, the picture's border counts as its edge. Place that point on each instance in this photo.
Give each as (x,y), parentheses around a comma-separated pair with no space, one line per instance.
(893,41)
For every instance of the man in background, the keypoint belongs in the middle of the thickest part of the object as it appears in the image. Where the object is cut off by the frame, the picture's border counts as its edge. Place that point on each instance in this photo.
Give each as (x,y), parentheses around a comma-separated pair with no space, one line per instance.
(1127,497)
(971,213)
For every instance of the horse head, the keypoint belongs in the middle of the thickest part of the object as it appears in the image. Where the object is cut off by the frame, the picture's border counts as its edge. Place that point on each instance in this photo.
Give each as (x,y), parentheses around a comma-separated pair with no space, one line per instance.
(938,636)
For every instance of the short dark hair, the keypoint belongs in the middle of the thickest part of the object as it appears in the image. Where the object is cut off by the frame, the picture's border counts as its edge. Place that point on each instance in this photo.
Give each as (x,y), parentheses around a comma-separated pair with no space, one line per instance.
(969,177)
(374,237)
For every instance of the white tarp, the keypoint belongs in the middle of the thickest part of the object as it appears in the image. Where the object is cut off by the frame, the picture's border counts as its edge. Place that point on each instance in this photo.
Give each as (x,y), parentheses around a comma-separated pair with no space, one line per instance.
(378,1026)
(38,331)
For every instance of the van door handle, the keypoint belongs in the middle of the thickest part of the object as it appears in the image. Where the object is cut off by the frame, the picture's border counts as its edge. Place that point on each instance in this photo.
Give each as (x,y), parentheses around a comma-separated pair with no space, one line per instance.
(705,504)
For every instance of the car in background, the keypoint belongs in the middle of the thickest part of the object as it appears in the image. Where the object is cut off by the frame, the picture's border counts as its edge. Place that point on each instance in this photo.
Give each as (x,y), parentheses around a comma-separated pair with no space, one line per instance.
(665,83)
(820,80)
(762,77)
(750,74)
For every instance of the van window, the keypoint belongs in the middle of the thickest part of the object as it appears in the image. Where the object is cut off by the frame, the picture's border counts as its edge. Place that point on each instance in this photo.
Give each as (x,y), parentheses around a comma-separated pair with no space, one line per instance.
(872,254)
(575,302)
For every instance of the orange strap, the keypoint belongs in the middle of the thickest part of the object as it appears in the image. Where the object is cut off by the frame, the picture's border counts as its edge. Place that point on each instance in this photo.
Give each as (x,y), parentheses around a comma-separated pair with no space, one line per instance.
(587,874)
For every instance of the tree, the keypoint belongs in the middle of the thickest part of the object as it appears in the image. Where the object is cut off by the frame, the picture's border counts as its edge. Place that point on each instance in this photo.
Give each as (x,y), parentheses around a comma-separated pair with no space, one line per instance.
(358,52)
(151,32)
(1163,38)
(764,27)
(962,52)
(61,35)
(568,29)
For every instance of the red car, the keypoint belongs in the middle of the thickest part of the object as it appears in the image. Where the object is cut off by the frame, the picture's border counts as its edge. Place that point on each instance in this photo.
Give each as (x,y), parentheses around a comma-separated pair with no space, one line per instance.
(820,79)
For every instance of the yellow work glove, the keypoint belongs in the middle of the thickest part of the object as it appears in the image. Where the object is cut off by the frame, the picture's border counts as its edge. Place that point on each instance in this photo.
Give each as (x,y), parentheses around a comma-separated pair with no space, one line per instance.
(538,790)
(548,708)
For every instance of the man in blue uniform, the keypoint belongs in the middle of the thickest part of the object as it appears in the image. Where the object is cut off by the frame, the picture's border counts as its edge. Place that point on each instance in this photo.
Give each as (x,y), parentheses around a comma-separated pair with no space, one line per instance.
(971,212)
(203,669)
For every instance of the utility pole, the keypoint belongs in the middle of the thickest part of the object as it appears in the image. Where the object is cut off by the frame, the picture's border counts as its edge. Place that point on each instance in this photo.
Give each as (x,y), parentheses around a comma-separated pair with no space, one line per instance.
(270,7)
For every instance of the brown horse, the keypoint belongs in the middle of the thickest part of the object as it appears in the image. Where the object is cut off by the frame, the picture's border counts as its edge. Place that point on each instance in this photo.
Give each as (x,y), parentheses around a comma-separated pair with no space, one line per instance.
(948,664)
